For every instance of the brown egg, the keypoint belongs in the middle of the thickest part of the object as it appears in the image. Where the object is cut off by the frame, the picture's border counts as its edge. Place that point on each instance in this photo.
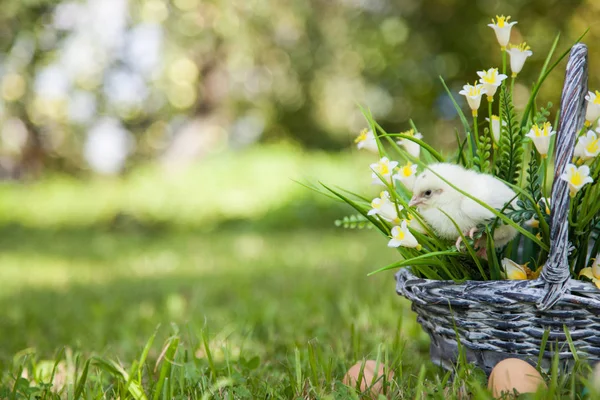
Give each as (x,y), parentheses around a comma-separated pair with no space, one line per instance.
(512,375)
(371,378)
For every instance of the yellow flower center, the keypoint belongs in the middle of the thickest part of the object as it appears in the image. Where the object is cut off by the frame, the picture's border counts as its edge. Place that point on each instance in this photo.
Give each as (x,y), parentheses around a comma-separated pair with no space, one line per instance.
(362,137)
(597,99)
(500,20)
(495,118)
(406,171)
(521,47)
(543,132)
(576,178)
(384,168)
(475,90)
(592,146)
(517,273)
(490,76)
(410,132)
(400,235)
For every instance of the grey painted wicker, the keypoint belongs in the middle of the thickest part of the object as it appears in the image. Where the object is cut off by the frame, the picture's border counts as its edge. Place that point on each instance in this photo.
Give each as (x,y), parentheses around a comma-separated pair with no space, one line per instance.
(501,319)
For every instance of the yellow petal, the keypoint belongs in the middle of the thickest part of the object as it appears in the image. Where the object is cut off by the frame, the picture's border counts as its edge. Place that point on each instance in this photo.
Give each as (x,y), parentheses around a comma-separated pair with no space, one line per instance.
(587,272)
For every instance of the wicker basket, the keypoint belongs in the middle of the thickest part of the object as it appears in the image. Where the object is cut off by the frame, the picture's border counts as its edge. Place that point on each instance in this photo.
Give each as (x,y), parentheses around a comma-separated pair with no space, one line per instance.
(495,320)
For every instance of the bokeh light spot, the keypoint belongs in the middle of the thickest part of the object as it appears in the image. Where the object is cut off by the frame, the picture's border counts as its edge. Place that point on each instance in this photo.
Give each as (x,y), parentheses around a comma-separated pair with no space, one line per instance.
(13,87)
(181,95)
(183,71)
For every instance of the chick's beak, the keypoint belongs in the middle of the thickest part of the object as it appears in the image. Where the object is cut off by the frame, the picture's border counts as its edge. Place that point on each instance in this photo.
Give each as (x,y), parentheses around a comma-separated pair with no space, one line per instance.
(415,201)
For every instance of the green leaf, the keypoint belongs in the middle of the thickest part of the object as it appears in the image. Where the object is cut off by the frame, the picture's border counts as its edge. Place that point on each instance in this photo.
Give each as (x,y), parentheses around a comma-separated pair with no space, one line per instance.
(421,143)
(492,256)
(469,247)
(426,256)
(169,352)
(511,140)
(382,228)
(463,119)
(81,383)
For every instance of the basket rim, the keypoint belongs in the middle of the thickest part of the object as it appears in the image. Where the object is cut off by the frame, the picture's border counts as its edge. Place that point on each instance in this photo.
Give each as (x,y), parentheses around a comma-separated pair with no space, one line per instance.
(584,294)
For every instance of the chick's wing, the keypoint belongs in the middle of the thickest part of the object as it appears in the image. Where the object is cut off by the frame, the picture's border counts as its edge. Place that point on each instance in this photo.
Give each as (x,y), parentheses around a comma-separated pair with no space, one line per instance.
(481,188)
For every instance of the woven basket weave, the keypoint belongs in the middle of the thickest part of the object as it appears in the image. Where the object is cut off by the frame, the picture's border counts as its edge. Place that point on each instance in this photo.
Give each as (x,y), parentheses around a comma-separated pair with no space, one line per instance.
(495,320)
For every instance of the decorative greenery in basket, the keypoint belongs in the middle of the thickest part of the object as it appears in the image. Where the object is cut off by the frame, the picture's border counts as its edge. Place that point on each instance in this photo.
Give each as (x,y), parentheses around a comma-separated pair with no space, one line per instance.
(485,213)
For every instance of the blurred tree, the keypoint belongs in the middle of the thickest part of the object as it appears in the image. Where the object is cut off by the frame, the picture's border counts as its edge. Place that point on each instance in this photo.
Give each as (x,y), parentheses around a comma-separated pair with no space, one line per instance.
(107,83)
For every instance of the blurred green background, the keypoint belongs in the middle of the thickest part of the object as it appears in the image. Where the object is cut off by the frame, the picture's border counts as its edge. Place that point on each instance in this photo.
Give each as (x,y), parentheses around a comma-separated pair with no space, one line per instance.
(106,85)
(148,152)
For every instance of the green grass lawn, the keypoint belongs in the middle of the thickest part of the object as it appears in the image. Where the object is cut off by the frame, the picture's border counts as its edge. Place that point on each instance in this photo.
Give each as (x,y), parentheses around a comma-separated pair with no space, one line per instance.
(248,294)
(159,286)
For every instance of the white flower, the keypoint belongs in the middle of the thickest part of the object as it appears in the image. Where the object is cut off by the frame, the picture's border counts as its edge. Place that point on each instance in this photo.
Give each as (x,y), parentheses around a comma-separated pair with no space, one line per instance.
(366,140)
(576,177)
(473,94)
(513,270)
(547,206)
(491,79)
(532,223)
(516,271)
(385,208)
(502,29)
(587,146)
(411,147)
(593,272)
(518,54)
(496,130)
(406,174)
(592,112)
(541,137)
(384,168)
(401,236)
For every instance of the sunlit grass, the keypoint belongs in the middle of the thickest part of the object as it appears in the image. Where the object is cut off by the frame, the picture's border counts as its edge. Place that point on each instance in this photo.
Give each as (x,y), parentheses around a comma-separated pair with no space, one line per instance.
(266,301)
(234,185)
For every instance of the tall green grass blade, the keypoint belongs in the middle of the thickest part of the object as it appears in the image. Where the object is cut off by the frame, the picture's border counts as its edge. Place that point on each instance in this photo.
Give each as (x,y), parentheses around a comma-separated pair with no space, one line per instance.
(421,143)
(82,380)
(544,74)
(298,368)
(468,246)
(373,126)
(144,355)
(492,257)
(208,352)
(169,357)
(116,370)
(571,344)
(425,256)
(382,228)
(463,119)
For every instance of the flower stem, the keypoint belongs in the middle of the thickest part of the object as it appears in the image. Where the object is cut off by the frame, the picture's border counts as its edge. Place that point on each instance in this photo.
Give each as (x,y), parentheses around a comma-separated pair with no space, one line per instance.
(504,61)
(545,176)
(475,130)
(491,132)
(512,85)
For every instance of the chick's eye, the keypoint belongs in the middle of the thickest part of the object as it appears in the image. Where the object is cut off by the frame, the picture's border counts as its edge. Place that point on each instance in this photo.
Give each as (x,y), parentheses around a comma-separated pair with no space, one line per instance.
(427,193)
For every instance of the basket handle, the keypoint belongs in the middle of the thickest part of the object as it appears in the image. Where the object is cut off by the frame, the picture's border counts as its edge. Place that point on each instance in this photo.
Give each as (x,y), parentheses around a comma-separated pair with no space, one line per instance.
(572,107)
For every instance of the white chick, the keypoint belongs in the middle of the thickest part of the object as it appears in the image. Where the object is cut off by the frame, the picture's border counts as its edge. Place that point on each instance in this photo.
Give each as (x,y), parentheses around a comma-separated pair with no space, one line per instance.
(431,194)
